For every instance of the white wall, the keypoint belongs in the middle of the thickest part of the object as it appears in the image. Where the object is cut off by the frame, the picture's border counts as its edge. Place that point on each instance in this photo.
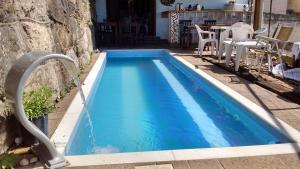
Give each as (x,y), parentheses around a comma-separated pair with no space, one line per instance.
(162,24)
(101,10)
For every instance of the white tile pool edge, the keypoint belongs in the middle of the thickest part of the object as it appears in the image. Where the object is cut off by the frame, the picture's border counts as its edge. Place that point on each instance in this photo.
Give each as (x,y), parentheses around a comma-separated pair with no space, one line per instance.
(63,132)
(180,155)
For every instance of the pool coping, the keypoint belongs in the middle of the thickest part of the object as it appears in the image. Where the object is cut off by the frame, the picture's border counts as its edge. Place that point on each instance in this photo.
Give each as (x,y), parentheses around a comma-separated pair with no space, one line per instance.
(68,123)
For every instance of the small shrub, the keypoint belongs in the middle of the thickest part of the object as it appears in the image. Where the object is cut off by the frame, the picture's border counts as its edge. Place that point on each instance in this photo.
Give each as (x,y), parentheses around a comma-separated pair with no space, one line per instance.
(8,161)
(38,102)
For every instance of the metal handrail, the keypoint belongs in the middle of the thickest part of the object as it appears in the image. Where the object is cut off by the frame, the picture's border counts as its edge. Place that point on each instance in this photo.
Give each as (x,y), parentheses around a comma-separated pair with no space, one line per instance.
(14,88)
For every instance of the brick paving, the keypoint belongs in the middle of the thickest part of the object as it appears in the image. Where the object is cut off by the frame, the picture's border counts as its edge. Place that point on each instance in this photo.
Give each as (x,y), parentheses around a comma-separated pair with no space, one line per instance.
(276,105)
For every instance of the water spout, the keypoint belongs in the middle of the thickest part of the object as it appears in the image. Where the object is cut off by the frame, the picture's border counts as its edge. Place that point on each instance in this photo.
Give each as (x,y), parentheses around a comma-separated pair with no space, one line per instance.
(14,88)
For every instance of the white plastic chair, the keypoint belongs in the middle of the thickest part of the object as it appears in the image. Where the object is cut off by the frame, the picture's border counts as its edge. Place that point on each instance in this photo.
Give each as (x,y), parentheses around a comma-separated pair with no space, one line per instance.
(260,32)
(240,32)
(202,42)
(268,47)
(242,48)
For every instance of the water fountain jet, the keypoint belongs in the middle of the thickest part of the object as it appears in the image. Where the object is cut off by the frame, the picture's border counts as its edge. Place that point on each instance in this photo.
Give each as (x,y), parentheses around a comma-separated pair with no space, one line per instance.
(14,88)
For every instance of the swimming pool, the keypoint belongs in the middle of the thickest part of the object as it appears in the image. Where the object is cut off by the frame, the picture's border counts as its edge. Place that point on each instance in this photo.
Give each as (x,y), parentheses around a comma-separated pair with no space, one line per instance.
(149,100)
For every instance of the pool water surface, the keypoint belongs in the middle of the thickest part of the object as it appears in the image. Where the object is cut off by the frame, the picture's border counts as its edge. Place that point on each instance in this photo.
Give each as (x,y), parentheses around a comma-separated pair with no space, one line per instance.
(148,101)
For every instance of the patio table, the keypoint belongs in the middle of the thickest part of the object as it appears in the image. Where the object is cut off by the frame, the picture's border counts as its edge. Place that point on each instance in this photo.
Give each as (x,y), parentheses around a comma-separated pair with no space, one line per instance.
(241,52)
(218,29)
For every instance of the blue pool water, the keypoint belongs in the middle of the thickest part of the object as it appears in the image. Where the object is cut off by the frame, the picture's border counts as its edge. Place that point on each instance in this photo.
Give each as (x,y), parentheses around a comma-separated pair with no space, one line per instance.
(149,101)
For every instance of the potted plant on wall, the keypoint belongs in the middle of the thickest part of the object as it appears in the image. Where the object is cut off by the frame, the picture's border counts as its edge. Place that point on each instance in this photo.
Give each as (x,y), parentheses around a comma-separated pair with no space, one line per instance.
(37,104)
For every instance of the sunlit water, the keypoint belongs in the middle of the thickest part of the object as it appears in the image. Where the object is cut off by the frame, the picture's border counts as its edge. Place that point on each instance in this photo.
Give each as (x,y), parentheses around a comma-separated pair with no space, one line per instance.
(156,103)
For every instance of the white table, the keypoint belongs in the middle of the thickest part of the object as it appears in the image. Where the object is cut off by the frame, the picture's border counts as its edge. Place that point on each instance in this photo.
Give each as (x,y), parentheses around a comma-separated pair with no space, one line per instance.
(218,29)
(241,53)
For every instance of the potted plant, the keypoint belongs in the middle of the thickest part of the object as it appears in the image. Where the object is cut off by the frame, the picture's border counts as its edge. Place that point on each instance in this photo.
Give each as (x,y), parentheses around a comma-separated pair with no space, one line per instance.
(37,104)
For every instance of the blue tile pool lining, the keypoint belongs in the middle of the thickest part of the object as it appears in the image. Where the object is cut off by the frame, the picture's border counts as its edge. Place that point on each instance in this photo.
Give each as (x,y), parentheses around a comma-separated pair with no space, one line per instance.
(61,138)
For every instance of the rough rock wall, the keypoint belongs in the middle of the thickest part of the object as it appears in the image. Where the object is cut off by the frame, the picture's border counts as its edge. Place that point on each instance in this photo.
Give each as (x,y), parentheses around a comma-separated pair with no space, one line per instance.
(61,26)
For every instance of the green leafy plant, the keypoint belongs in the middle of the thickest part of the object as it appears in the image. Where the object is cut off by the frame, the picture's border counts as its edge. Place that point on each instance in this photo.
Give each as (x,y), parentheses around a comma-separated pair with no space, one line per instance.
(38,102)
(8,160)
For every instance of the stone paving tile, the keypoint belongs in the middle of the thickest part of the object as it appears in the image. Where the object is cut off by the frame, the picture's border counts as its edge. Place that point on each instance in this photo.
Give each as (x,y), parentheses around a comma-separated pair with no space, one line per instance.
(161,166)
(263,162)
(178,164)
(205,164)
(131,166)
(107,167)
(181,165)
(291,160)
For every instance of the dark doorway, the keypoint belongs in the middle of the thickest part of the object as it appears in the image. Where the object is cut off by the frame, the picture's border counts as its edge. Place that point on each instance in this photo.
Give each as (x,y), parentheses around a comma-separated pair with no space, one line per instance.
(133,11)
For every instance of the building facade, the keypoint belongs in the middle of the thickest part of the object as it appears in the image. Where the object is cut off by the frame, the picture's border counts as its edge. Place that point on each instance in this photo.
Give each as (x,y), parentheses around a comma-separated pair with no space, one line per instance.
(162,23)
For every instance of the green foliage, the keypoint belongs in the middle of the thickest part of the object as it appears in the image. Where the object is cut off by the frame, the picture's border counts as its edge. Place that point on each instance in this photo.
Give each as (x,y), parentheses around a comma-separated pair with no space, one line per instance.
(8,161)
(38,102)
(63,93)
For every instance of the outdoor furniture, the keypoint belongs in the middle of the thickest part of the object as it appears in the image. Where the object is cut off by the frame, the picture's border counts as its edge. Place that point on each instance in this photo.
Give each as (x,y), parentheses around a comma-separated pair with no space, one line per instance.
(271,47)
(202,42)
(260,31)
(242,48)
(224,39)
(193,31)
(128,32)
(185,33)
(210,22)
(239,32)
(207,26)
(218,29)
(108,32)
(242,51)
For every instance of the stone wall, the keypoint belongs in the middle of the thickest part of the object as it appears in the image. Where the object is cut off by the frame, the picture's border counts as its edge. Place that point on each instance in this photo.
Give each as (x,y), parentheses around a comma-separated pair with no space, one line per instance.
(61,26)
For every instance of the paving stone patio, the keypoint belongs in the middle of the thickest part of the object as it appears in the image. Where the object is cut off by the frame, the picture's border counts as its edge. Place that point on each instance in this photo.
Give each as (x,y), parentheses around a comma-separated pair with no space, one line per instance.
(276,105)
